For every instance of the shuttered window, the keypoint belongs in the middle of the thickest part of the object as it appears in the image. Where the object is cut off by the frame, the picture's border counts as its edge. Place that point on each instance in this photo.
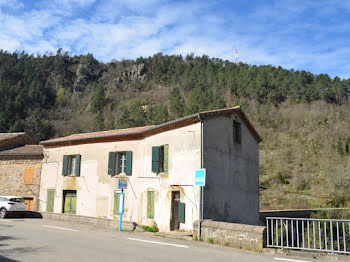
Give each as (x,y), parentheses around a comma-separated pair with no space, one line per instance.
(116,204)
(29,175)
(150,204)
(236,132)
(120,163)
(181,213)
(160,156)
(71,165)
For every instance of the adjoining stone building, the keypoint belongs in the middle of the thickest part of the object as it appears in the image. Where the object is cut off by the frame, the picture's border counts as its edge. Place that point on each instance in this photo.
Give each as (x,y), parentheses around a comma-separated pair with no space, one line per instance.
(80,172)
(20,167)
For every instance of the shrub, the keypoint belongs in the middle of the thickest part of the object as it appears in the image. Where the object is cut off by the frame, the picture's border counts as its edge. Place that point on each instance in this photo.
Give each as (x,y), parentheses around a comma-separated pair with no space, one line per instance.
(153,228)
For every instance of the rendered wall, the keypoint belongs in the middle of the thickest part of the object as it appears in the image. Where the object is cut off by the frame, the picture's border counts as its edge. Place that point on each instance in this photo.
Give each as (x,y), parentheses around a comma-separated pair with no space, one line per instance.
(95,188)
(232,190)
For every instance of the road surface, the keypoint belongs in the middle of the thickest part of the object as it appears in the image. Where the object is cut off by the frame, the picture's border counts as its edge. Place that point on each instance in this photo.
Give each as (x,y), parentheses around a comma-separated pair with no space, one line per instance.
(48,240)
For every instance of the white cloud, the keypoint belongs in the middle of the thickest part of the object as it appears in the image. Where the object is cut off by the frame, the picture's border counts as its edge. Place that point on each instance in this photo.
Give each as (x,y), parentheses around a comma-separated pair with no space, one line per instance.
(277,33)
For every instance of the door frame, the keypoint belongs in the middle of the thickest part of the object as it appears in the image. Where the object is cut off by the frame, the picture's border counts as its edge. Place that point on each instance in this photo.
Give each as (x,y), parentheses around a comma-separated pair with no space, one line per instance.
(174,220)
(65,192)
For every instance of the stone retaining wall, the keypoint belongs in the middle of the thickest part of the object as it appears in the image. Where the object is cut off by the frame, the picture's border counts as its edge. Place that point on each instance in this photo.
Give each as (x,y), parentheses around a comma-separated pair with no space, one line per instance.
(247,237)
(93,221)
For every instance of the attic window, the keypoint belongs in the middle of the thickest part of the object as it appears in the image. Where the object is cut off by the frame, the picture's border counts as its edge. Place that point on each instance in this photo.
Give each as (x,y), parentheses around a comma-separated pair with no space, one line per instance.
(236,132)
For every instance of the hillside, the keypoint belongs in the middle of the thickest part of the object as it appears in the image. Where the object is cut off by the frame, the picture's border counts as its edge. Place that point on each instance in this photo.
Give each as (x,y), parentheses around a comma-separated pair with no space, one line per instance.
(302,118)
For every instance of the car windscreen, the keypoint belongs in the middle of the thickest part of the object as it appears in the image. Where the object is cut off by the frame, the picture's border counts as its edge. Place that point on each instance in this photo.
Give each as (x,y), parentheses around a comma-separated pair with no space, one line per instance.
(17,199)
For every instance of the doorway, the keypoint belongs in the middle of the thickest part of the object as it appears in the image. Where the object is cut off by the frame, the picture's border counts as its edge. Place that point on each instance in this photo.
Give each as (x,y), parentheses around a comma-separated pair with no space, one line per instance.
(69,201)
(175,201)
(30,203)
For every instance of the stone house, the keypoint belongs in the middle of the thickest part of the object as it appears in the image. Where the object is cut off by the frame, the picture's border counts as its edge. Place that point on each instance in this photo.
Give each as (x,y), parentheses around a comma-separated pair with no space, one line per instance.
(80,172)
(20,167)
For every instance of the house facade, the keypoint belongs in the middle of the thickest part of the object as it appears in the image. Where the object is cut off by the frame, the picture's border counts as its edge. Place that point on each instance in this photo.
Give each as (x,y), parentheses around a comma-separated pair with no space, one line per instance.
(80,172)
(20,167)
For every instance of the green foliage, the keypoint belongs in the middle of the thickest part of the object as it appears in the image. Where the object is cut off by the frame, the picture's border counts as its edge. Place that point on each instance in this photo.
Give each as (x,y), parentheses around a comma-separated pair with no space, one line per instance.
(177,103)
(153,228)
(99,122)
(98,99)
(211,240)
(60,95)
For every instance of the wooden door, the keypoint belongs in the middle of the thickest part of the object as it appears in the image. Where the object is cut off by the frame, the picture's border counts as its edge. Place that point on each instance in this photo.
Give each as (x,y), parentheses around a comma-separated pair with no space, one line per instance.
(175,200)
(30,203)
(70,202)
(50,200)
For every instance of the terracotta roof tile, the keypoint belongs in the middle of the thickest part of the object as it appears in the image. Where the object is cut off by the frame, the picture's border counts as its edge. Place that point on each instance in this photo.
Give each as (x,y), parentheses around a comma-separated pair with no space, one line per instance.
(148,130)
(4,136)
(24,150)
(100,134)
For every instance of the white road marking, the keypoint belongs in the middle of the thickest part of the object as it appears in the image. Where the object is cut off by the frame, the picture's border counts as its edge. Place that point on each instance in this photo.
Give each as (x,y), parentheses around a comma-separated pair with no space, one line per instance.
(62,228)
(290,260)
(155,242)
(4,220)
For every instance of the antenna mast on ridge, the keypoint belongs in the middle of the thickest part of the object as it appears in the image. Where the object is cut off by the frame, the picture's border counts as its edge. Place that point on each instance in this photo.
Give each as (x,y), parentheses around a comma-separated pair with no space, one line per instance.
(236,56)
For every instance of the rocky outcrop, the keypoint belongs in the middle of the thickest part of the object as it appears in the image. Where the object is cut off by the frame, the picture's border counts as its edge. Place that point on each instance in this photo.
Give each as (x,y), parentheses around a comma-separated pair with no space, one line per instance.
(135,72)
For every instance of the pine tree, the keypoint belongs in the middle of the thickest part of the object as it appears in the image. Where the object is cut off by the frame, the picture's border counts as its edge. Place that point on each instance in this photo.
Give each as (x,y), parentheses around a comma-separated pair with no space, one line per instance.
(177,103)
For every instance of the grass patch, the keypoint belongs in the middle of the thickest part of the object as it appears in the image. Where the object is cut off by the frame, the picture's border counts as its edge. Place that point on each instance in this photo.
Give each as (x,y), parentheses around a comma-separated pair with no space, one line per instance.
(153,228)
(210,240)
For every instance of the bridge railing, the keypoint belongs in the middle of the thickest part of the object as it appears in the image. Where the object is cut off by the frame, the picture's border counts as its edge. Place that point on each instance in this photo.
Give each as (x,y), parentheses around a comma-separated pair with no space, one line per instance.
(326,235)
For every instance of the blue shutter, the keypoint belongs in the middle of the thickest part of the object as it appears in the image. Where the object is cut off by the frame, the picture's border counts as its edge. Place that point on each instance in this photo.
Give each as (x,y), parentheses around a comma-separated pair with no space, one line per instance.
(77,165)
(65,165)
(181,213)
(128,167)
(111,163)
(155,159)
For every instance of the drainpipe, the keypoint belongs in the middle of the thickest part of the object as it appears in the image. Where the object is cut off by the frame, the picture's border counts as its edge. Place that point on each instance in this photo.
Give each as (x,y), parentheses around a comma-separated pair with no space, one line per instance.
(201,192)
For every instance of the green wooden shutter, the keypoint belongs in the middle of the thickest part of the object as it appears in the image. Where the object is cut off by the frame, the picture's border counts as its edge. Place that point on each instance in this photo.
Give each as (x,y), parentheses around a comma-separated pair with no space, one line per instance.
(166,157)
(116,204)
(128,167)
(50,200)
(77,165)
(65,165)
(181,213)
(155,159)
(111,163)
(150,204)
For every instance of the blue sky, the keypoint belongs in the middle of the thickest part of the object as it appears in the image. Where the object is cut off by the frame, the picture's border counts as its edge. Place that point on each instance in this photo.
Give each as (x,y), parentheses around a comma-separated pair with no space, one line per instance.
(303,35)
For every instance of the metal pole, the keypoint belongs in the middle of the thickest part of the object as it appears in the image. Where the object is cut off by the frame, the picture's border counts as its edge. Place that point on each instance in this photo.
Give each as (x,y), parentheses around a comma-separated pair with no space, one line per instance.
(121,214)
(199,214)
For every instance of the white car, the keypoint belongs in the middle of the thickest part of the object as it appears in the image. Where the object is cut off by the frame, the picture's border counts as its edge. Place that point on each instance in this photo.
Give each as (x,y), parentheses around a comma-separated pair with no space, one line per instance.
(12,204)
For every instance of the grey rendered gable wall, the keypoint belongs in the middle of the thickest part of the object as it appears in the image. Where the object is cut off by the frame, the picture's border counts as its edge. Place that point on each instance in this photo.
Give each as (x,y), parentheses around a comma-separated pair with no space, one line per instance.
(232,185)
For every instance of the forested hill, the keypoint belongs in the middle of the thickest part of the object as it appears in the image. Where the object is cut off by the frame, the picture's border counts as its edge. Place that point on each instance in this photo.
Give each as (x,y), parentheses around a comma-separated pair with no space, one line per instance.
(303,118)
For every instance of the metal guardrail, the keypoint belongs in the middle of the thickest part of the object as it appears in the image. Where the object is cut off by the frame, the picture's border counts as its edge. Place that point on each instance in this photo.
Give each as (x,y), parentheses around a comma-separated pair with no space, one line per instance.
(326,235)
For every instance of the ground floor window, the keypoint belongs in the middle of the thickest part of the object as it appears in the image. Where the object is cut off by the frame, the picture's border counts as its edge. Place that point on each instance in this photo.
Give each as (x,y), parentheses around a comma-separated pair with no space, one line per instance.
(69,201)
(50,200)
(150,204)
(116,203)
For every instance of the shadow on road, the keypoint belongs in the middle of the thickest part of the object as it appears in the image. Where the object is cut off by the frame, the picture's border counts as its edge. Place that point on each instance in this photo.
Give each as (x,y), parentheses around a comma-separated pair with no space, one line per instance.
(28,214)
(2,257)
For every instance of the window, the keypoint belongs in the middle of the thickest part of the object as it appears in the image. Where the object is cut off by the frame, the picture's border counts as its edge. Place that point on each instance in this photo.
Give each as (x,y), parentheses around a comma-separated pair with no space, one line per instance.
(150,204)
(160,159)
(29,176)
(71,165)
(120,163)
(236,132)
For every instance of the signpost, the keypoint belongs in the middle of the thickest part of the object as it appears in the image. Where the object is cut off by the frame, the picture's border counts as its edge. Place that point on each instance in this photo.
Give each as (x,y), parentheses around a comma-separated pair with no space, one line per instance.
(122,184)
(199,180)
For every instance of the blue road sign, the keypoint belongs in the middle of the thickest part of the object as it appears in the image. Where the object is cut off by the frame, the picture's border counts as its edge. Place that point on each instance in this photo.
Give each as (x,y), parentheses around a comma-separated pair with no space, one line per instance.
(199,177)
(122,183)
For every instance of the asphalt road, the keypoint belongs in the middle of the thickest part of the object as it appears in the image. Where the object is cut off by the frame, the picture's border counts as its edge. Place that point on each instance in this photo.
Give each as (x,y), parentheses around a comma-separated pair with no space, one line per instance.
(47,240)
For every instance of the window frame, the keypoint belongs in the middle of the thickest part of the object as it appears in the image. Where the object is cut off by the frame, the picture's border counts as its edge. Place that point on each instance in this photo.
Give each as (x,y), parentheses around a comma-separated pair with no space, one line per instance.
(237,132)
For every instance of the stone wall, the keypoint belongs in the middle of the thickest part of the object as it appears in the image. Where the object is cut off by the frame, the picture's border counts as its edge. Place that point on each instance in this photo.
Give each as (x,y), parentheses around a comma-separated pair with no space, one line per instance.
(12,178)
(93,221)
(231,234)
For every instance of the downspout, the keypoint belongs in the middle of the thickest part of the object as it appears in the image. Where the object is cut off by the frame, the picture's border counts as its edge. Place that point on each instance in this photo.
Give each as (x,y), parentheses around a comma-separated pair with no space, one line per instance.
(201,191)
